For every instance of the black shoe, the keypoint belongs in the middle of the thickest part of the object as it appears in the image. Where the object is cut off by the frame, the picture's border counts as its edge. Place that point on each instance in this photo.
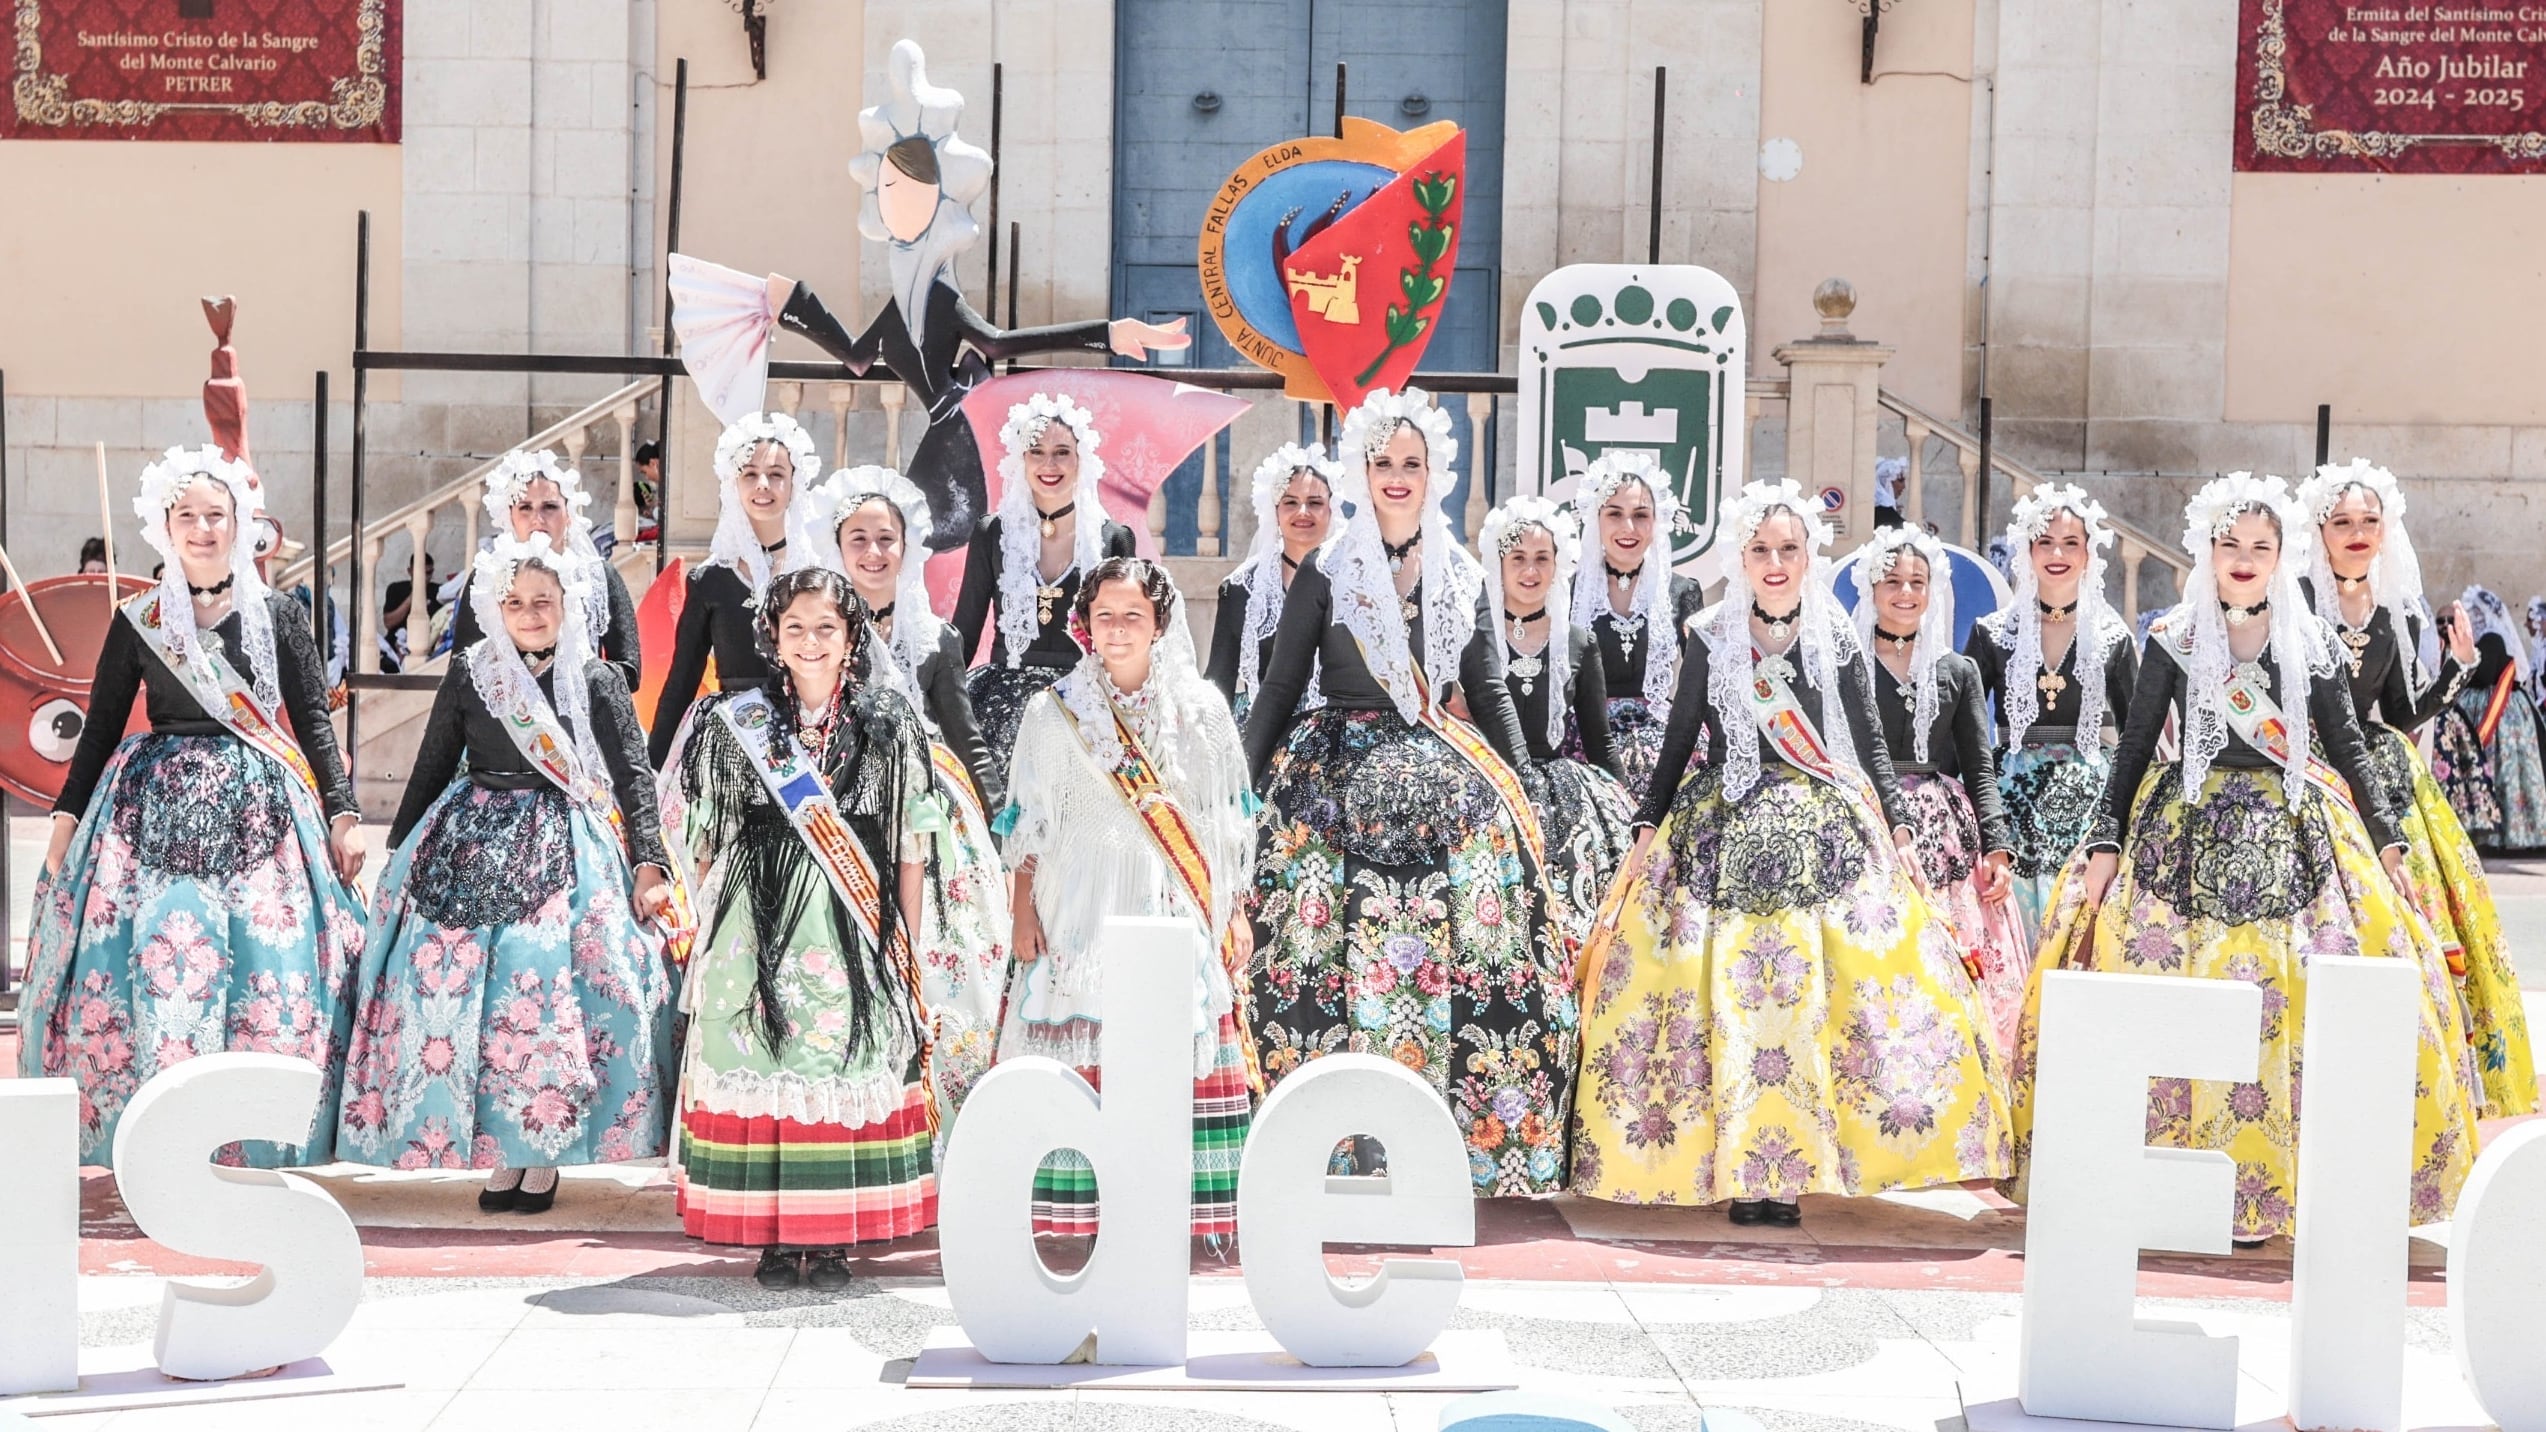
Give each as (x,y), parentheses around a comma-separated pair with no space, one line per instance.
(1781,1215)
(1745,1212)
(827,1270)
(530,1200)
(491,1199)
(776,1270)
(2247,1245)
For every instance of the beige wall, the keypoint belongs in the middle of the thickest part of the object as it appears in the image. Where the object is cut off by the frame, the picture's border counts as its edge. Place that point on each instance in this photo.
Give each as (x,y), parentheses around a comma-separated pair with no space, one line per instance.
(105,248)
(1883,196)
(2409,299)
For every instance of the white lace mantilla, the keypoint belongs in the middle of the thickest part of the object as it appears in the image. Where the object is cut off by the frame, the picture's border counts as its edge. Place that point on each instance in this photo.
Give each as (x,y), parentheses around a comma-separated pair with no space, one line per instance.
(1021,525)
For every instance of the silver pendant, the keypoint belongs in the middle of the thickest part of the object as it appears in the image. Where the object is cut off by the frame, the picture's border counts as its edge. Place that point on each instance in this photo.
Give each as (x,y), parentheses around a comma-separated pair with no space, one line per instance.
(1777,630)
(1527,668)
(1777,668)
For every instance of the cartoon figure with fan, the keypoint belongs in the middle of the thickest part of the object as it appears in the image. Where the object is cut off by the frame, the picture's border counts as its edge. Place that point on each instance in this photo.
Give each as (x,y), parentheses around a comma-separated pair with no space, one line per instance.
(919,180)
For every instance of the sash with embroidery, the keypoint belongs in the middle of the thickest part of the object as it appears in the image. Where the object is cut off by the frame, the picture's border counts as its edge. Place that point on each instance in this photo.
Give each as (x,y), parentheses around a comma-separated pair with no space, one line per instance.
(797,785)
(1781,718)
(2257,720)
(2500,702)
(217,687)
(950,769)
(1136,780)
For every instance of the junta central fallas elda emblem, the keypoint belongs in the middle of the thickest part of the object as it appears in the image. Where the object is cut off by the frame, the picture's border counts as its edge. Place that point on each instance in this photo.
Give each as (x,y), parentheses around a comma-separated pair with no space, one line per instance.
(1640,358)
(1328,260)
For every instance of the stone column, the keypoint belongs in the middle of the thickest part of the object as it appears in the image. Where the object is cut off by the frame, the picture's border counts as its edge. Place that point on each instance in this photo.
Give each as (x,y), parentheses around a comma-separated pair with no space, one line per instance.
(1833,380)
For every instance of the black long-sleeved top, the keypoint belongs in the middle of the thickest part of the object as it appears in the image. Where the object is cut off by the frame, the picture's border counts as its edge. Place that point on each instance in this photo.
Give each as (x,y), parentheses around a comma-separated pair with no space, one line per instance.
(2161,688)
(1690,710)
(940,679)
(2058,713)
(1589,694)
(2381,680)
(618,644)
(1310,636)
(1621,665)
(977,603)
(1957,744)
(719,617)
(1228,641)
(462,726)
(126,665)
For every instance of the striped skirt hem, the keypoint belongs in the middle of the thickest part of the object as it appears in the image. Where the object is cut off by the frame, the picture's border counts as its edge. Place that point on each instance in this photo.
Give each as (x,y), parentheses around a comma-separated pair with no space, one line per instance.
(1065,1186)
(774,1182)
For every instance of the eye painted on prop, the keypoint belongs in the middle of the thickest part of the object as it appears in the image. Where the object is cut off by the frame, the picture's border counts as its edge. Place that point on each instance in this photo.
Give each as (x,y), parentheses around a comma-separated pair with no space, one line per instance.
(54,730)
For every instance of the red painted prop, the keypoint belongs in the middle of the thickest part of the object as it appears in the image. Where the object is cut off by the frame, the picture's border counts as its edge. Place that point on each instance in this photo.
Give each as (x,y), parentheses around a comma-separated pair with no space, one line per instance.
(43,707)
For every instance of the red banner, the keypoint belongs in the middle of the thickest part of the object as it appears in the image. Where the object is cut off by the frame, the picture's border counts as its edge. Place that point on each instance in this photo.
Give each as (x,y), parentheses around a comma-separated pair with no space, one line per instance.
(2392,87)
(204,70)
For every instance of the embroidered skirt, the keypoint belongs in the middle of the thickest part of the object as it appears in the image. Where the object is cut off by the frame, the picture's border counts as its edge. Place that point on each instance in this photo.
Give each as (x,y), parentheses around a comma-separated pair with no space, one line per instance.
(1781,1013)
(2050,789)
(963,941)
(2459,901)
(813,1143)
(1990,936)
(1065,1193)
(2465,772)
(2247,886)
(197,911)
(1589,827)
(999,696)
(1400,914)
(2519,772)
(1636,733)
(512,1012)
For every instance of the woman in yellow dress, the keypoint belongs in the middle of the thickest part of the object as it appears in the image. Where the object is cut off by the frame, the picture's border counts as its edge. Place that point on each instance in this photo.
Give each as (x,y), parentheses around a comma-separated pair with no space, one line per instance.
(2364,579)
(2249,856)
(1780,1011)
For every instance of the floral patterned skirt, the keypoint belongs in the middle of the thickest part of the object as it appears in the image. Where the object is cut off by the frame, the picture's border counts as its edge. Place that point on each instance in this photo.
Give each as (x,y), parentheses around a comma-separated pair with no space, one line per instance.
(999,697)
(2519,772)
(2246,886)
(1781,1013)
(2050,789)
(1992,937)
(2459,901)
(1400,914)
(1589,827)
(963,941)
(512,1012)
(2464,771)
(821,1140)
(197,911)
(1635,730)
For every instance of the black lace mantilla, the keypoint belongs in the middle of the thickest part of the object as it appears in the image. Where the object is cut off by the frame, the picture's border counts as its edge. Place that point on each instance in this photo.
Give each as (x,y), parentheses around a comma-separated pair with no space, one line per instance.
(1790,845)
(2239,857)
(492,857)
(202,807)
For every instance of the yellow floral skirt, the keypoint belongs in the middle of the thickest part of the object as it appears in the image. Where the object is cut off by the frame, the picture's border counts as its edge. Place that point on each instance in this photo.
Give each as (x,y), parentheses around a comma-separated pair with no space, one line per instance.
(1781,1013)
(2455,894)
(2244,885)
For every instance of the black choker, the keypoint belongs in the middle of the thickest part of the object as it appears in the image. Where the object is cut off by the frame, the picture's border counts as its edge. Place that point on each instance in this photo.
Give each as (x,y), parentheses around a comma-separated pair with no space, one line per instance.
(2239,616)
(216,589)
(2350,584)
(2051,613)
(1290,563)
(1902,642)
(1051,519)
(1621,578)
(885,612)
(1398,551)
(1777,626)
(1520,621)
(772,549)
(534,658)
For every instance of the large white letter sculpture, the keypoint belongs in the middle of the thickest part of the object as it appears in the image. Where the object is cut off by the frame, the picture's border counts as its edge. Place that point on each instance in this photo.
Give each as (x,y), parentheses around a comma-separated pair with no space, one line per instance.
(312,1258)
(39,1234)
(2355,1190)
(1288,1208)
(1139,1138)
(2100,1194)
(2497,1279)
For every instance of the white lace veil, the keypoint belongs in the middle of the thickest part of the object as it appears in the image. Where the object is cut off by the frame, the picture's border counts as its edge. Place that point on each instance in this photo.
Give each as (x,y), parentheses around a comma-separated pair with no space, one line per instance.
(1365,591)
(1505,525)
(2485,612)
(916,624)
(734,543)
(1021,527)
(504,487)
(2300,645)
(1825,642)
(1874,562)
(2021,630)
(1650,601)
(161,483)
(2395,577)
(1260,575)
(497,667)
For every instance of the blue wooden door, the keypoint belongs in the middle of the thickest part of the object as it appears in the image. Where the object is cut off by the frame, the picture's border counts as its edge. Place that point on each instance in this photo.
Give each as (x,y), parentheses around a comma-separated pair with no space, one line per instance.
(1202,84)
